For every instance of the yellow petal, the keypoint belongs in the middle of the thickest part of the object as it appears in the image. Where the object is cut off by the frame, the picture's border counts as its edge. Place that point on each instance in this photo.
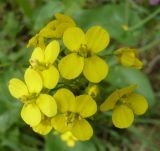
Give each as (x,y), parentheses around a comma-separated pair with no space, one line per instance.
(69,138)
(64,22)
(33,81)
(60,29)
(95,69)
(43,128)
(71,66)
(52,52)
(93,90)
(64,18)
(36,41)
(85,106)
(82,130)
(126,50)
(50,77)
(49,30)
(127,90)
(127,60)
(122,116)
(71,143)
(97,39)
(73,38)
(59,123)
(110,102)
(138,103)
(37,56)
(138,64)
(65,100)
(17,88)
(31,114)
(56,28)
(47,105)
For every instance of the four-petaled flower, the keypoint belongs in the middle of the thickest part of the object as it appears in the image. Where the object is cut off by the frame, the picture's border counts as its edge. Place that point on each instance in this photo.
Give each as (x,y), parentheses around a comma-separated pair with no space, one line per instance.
(35,103)
(124,102)
(83,56)
(42,60)
(72,112)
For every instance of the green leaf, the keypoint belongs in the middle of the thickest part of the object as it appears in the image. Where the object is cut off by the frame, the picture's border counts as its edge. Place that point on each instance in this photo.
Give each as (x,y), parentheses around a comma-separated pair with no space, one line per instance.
(53,142)
(12,26)
(25,6)
(7,120)
(45,13)
(120,77)
(113,18)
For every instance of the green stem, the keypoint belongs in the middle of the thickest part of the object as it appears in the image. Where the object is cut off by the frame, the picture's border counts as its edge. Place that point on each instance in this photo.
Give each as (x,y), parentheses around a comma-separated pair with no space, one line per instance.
(4,65)
(138,7)
(148,121)
(151,16)
(150,45)
(109,54)
(126,12)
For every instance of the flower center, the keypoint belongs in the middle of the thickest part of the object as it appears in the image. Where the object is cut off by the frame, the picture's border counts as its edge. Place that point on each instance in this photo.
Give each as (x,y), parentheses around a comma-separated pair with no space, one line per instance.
(83,51)
(71,117)
(122,100)
(30,98)
(39,65)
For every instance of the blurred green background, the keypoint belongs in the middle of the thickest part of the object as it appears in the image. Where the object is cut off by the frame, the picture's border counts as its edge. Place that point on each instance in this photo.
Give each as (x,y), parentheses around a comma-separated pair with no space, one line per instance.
(21,19)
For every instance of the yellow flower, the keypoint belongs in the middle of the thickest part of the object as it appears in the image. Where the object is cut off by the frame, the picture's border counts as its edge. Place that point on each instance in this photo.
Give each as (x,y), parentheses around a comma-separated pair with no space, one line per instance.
(35,103)
(36,41)
(44,127)
(125,103)
(83,56)
(92,90)
(42,60)
(128,58)
(125,27)
(69,138)
(56,28)
(72,113)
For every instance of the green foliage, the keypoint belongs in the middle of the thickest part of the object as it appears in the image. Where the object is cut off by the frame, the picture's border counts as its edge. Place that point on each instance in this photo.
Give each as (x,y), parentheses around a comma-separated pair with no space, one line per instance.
(57,144)
(101,16)
(45,13)
(121,77)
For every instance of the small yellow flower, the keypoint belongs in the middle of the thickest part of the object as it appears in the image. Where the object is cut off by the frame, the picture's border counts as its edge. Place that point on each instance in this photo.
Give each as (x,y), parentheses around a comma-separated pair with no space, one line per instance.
(124,102)
(36,41)
(92,90)
(125,27)
(83,48)
(35,103)
(69,138)
(56,28)
(44,127)
(72,113)
(42,60)
(128,58)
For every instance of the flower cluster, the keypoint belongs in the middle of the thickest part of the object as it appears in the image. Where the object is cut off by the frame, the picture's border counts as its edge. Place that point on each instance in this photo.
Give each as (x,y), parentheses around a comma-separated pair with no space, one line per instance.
(60,85)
